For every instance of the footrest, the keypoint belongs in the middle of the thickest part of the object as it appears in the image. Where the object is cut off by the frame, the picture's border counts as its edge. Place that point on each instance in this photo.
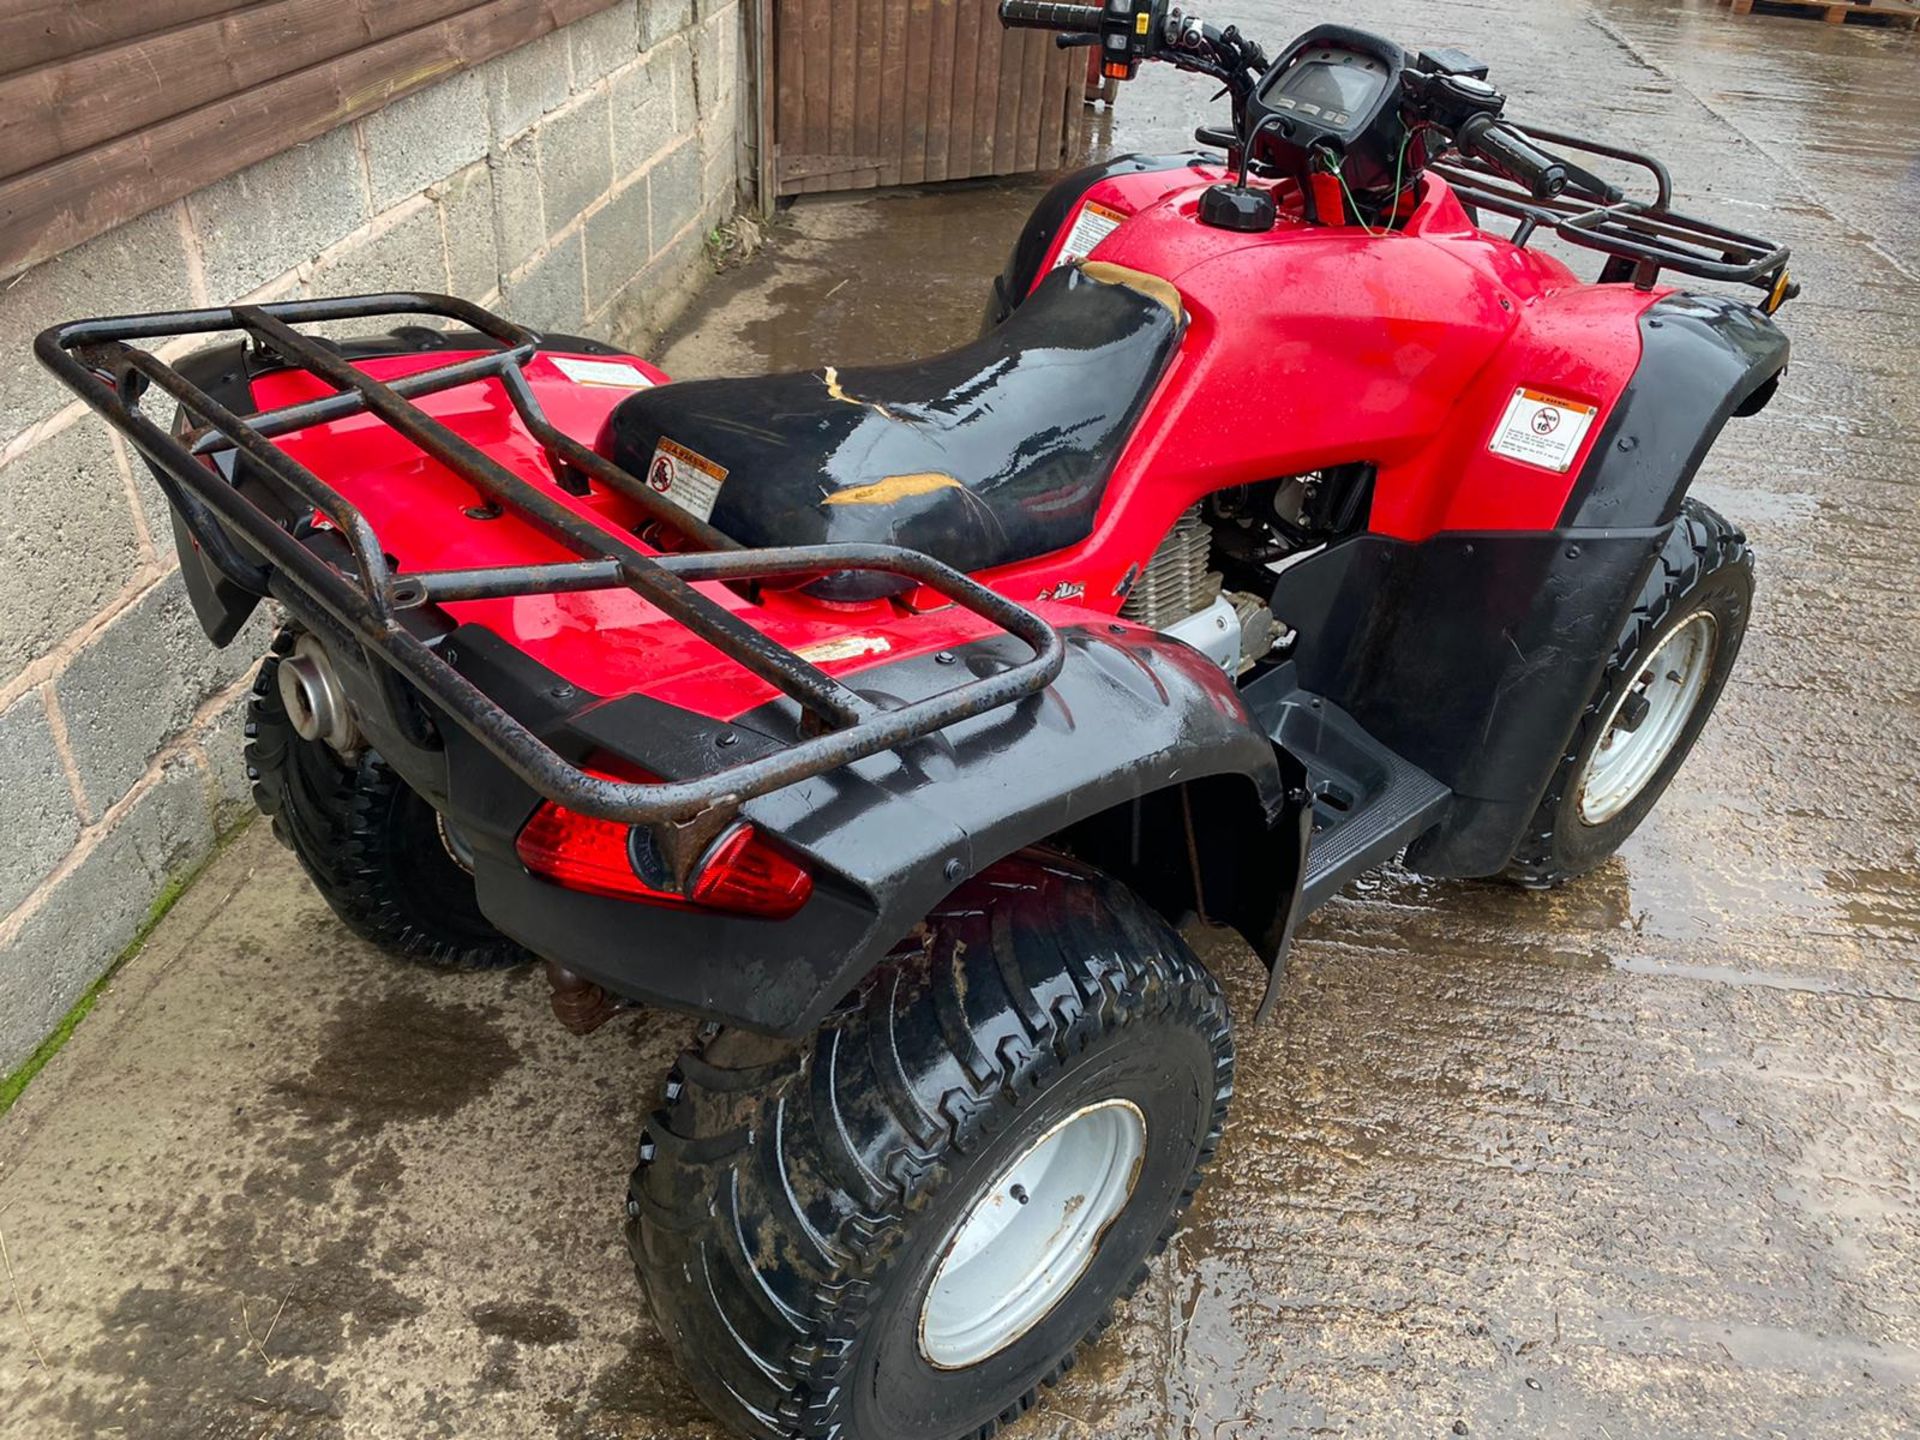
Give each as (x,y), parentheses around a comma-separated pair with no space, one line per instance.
(1369,803)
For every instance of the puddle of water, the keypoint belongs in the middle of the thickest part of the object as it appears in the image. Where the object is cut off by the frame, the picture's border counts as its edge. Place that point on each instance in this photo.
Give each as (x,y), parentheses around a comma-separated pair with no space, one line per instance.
(1760,979)
(1883,902)
(1762,1347)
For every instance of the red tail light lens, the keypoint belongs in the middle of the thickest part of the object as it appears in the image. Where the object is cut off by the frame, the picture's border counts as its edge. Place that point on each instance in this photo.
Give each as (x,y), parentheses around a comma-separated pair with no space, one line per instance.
(743,874)
(582,853)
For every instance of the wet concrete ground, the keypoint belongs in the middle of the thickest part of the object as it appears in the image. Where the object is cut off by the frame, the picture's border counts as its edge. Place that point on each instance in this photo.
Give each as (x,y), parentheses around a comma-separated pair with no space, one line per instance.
(1634,1159)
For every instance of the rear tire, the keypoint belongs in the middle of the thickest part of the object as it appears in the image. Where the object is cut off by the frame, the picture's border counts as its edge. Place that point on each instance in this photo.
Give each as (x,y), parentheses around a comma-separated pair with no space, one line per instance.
(373,847)
(795,1204)
(1689,622)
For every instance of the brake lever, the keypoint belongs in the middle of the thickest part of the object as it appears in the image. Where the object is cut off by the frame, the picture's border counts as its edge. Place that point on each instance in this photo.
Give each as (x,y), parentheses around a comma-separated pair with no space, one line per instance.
(1076,42)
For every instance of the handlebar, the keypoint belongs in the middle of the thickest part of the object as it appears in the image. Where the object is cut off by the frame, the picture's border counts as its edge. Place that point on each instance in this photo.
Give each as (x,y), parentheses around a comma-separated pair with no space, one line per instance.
(1514,156)
(1443,87)
(1036,15)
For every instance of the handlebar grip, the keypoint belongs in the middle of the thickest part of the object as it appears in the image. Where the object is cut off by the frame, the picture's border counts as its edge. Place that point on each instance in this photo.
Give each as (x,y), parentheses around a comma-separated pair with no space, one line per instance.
(1513,156)
(1035,15)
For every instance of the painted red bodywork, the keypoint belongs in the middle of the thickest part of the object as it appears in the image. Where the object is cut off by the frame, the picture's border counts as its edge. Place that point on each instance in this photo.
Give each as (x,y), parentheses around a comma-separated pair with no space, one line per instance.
(1312,346)
(1307,347)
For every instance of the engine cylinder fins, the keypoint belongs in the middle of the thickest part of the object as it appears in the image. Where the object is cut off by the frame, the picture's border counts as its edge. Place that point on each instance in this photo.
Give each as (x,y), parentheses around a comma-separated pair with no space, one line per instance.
(1176,582)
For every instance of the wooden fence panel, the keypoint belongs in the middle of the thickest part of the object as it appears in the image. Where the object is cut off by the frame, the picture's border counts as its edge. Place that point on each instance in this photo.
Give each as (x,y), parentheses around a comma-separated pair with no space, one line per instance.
(32,32)
(69,105)
(132,105)
(896,92)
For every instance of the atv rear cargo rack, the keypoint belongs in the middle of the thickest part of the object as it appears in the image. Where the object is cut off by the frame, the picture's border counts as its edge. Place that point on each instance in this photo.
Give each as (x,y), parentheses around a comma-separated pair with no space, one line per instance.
(368,608)
(1642,237)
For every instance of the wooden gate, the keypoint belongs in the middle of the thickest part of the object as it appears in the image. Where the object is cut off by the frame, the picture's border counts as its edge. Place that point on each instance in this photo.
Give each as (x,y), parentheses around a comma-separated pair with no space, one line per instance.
(897,92)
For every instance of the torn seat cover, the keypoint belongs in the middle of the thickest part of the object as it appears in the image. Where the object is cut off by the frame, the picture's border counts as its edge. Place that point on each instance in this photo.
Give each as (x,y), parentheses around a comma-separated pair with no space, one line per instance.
(995,452)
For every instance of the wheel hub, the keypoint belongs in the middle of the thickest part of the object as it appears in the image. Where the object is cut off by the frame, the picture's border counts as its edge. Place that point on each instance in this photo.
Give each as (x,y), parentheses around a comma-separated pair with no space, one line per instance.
(1647,721)
(1031,1234)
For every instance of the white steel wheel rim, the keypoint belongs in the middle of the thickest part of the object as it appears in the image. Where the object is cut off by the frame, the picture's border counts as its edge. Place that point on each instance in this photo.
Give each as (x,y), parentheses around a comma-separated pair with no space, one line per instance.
(1011,1260)
(1671,682)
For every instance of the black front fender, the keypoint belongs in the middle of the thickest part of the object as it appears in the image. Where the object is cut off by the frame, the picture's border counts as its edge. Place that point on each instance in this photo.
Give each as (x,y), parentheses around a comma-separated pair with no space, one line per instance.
(1703,360)
(887,837)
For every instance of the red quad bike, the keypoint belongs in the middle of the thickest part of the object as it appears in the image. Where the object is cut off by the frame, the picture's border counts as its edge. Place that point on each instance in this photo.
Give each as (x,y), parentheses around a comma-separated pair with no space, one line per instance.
(1282,521)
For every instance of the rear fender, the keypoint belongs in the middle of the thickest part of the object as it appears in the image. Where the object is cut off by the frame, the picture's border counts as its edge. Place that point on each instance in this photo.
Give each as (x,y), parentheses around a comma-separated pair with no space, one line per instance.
(1131,714)
(223,597)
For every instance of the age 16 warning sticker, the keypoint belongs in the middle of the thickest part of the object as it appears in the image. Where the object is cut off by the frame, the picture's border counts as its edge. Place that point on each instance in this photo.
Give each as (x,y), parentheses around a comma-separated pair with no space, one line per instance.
(1539,429)
(686,477)
(1094,223)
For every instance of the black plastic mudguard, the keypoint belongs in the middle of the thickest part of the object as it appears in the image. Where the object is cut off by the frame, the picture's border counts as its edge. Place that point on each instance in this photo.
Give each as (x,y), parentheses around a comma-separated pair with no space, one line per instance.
(1473,655)
(1051,215)
(1703,360)
(886,838)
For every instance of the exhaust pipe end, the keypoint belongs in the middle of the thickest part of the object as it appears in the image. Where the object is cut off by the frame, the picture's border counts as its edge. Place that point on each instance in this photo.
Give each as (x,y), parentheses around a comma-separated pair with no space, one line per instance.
(315,702)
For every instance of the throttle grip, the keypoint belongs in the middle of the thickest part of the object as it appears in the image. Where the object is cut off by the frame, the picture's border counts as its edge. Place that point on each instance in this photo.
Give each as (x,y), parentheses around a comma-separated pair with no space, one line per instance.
(1513,156)
(1036,15)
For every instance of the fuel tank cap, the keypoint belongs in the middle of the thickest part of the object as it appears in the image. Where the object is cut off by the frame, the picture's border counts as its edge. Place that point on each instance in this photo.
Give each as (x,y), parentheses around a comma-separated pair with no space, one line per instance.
(1233,207)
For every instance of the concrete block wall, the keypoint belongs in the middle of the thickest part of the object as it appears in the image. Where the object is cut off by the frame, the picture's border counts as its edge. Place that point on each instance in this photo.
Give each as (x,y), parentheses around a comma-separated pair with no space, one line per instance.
(570,184)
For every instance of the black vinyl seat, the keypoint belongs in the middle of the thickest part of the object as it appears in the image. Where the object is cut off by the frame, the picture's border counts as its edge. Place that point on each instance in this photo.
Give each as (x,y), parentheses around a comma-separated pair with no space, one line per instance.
(995,452)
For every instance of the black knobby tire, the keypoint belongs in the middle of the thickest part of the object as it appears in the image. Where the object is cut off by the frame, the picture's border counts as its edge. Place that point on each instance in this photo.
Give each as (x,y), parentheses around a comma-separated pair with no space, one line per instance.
(370,844)
(792,1202)
(1706,565)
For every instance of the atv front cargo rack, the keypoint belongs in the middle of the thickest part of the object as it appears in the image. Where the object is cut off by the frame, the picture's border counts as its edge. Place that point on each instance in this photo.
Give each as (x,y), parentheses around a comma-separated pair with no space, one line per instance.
(1642,237)
(368,607)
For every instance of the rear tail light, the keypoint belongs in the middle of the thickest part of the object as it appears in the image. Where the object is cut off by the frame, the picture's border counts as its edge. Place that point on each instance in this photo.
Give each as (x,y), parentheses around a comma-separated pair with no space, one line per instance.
(745,875)
(742,873)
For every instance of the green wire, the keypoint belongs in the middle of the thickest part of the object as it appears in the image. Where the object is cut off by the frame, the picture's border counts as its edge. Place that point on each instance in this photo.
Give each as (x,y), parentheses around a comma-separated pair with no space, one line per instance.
(1399,169)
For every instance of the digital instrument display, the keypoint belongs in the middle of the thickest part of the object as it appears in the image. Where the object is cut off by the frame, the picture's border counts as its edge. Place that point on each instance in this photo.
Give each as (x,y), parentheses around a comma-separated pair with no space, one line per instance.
(1328,115)
(1334,87)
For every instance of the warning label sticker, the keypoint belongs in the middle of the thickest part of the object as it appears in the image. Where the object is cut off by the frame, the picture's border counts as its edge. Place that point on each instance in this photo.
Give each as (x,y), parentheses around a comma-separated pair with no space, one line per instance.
(686,477)
(622,373)
(845,647)
(1541,429)
(1093,224)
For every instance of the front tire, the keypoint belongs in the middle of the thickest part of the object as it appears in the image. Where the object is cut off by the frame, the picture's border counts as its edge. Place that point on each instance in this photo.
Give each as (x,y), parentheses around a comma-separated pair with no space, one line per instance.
(835,1236)
(1666,674)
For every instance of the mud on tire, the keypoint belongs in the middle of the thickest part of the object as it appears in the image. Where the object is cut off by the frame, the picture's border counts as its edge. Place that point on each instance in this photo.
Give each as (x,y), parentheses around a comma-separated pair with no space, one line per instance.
(1706,566)
(372,847)
(793,1201)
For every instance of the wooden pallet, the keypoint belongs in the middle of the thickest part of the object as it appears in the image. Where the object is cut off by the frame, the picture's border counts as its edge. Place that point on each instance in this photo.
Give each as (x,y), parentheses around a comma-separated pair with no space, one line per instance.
(1838,12)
